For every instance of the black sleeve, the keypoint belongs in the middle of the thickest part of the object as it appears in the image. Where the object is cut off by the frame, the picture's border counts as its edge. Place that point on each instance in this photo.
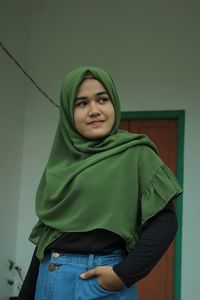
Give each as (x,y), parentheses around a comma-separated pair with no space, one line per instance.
(156,236)
(27,291)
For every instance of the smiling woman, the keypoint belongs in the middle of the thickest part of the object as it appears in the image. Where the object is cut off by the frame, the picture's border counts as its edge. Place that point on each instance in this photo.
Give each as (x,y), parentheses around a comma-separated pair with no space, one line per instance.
(99,229)
(94,113)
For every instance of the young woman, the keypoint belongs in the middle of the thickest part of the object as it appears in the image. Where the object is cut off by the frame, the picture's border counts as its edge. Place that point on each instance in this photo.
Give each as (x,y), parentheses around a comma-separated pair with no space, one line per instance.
(104,202)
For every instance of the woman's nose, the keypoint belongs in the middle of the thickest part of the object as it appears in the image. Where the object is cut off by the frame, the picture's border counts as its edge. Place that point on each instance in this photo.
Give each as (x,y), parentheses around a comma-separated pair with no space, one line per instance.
(94,109)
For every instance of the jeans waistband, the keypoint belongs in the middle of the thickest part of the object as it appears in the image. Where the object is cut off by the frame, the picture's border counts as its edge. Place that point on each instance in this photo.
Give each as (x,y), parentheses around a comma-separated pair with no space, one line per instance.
(86,259)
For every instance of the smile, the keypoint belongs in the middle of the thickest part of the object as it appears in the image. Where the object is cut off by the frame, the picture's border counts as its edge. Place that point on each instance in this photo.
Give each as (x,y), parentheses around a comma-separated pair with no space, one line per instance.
(96,122)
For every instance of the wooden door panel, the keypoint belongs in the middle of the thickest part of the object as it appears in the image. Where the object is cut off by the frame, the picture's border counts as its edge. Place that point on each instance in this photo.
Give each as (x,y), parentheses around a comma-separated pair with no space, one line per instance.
(158,285)
(163,133)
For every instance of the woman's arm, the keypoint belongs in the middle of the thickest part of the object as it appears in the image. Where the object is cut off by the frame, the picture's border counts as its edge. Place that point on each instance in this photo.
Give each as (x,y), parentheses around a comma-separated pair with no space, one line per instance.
(155,239)
(29,285)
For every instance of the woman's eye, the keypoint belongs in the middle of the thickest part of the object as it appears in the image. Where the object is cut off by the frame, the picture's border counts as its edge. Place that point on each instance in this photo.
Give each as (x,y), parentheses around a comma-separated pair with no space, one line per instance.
(103,100)
(80,103)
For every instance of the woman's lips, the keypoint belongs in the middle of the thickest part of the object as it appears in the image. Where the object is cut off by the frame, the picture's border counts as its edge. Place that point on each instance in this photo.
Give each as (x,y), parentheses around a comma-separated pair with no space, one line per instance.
(96,122)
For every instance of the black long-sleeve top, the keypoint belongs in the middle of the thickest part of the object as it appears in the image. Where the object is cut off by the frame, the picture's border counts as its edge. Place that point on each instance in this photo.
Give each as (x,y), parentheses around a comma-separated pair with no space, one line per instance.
(156,236)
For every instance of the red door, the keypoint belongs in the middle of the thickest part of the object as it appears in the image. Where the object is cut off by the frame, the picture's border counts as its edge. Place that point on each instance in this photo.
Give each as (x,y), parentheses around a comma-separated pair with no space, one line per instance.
(158,285)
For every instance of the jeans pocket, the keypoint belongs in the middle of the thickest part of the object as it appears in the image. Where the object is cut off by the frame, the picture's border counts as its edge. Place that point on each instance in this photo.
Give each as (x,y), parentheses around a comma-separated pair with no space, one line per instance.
(102,289)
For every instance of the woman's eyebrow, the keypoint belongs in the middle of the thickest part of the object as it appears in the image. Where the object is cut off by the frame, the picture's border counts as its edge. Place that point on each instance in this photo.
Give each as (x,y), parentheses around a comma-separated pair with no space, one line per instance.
(81,98)
(101,93)
(97,94)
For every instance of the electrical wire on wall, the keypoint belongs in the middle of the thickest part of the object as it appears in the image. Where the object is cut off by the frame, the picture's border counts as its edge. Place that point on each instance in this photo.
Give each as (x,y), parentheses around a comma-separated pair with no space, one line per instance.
(26,74)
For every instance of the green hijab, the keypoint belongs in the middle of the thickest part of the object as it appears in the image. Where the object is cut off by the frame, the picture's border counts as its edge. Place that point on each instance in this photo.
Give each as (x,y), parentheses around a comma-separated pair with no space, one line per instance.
(62,192)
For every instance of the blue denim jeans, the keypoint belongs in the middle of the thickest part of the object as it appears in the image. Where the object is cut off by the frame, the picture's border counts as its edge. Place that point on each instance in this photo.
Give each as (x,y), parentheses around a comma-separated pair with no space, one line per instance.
(59,278)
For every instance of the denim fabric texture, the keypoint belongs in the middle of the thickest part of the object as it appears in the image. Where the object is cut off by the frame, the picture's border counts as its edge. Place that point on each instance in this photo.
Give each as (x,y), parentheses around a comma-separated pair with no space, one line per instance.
(59,278)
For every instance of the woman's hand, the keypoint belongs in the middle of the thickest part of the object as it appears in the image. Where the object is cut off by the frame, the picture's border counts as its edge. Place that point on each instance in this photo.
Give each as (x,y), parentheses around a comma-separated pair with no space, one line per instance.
(107,278)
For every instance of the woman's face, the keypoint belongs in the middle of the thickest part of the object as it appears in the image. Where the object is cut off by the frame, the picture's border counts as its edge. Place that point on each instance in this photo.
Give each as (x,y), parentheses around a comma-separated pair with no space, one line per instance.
(94,113)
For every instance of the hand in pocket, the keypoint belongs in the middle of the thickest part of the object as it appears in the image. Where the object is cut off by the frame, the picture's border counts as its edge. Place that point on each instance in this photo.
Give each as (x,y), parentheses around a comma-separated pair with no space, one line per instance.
(106,277)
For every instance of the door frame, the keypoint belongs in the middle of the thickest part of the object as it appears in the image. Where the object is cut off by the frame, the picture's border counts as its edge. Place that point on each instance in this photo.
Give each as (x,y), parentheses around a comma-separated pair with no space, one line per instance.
(179,116)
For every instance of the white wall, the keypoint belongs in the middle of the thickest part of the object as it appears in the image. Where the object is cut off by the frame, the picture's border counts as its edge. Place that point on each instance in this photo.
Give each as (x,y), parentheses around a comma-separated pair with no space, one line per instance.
(13,34)
(152,50)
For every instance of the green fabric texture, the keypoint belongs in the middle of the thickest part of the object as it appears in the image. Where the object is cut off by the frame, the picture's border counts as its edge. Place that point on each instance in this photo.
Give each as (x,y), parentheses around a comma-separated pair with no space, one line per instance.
(89,184)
